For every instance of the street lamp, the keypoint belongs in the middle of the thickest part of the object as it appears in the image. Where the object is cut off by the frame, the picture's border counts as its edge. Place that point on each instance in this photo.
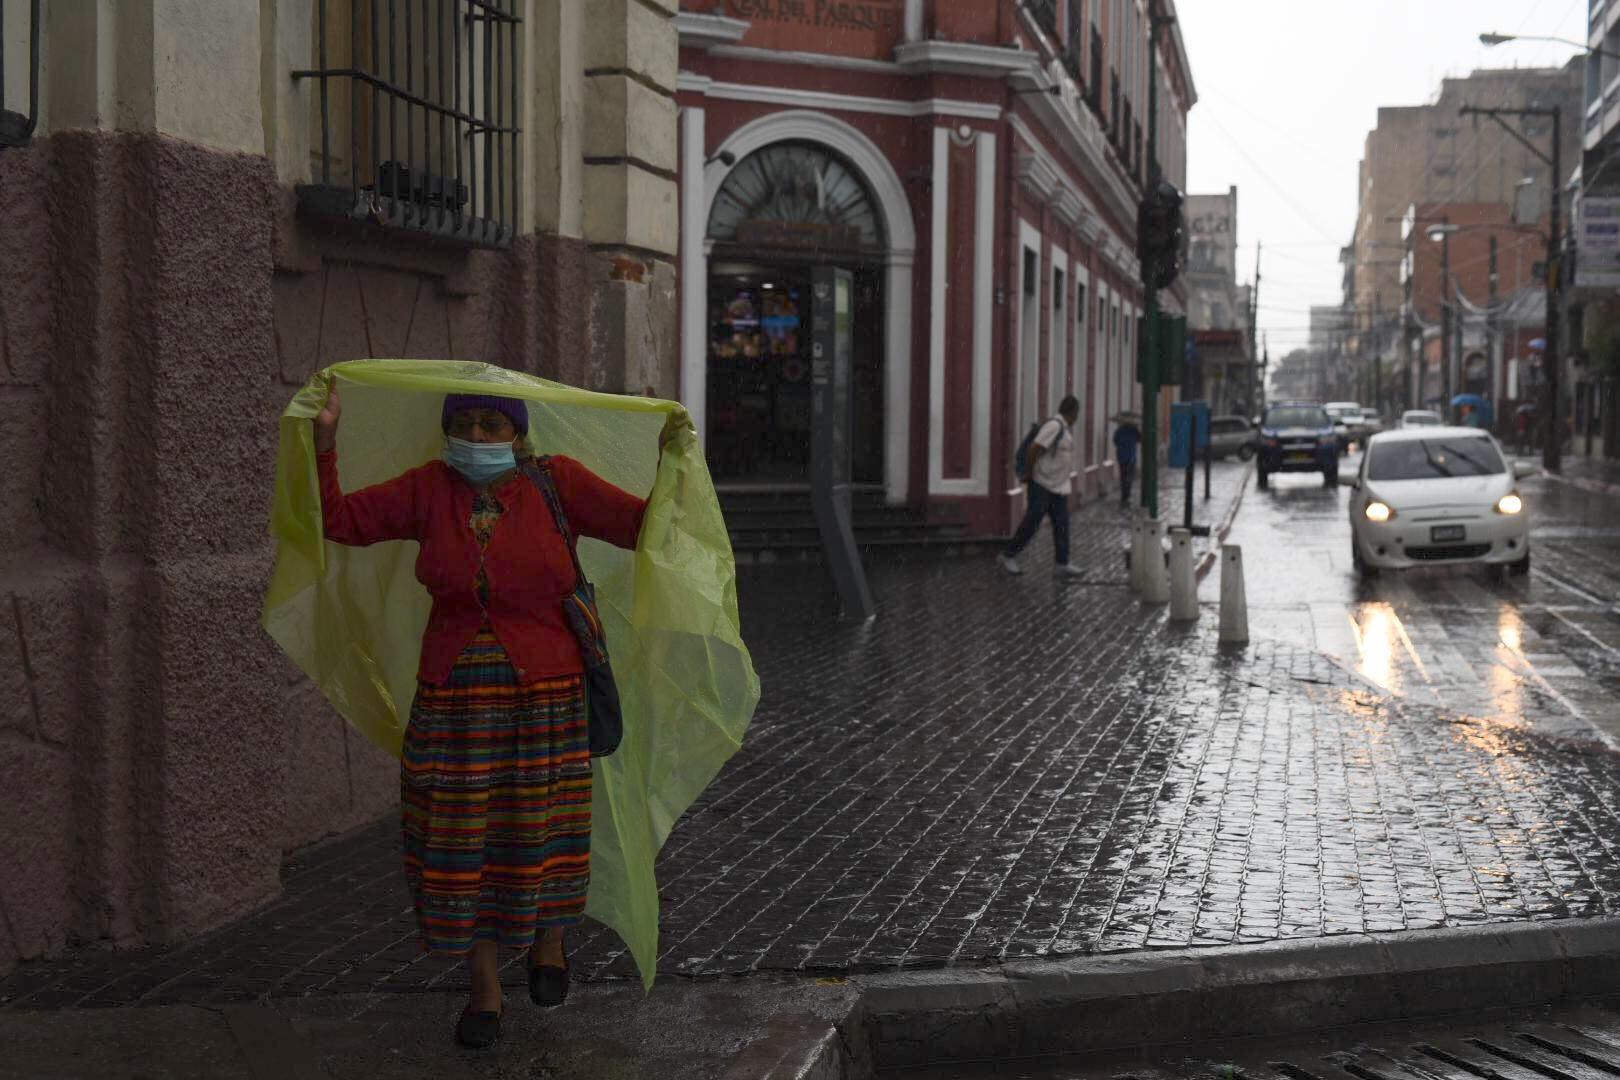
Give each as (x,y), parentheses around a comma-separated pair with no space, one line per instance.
(1441,234)
(1503,39)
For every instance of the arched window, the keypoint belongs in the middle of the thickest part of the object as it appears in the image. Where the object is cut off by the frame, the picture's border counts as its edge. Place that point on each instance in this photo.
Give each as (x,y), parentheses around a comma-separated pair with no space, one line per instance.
(796,195)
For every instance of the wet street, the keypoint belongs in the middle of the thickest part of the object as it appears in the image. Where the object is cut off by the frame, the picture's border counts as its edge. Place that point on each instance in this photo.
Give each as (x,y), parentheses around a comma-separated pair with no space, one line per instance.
(1003,768)
(1540,653)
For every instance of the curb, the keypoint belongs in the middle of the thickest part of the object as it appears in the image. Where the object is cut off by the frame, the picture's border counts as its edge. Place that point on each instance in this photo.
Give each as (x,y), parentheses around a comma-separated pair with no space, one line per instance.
(1114,1001)
(1601,487)
(1206,562)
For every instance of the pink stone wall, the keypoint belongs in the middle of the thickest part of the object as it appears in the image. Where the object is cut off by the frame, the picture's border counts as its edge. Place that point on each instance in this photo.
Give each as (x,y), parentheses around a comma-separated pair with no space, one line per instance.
(159,303)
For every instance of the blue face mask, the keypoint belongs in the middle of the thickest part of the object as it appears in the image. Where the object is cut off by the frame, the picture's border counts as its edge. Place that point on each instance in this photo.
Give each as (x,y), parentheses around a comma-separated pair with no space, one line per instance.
(479,462)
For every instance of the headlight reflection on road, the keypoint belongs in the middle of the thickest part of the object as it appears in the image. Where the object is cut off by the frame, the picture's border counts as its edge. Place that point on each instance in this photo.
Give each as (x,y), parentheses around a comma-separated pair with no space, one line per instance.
(1506,683)
(1376,636)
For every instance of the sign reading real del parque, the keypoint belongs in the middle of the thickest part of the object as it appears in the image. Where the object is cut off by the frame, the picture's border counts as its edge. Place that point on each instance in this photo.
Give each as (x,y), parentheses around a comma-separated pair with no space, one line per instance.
(835,14)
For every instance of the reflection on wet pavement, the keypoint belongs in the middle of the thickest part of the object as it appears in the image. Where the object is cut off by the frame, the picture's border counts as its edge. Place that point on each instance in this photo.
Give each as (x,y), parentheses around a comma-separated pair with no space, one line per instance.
(1543,650)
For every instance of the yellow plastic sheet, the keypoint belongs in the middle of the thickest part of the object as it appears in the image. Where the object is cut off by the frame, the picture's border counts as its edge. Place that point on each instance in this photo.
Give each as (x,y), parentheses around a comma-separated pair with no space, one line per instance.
(352,618)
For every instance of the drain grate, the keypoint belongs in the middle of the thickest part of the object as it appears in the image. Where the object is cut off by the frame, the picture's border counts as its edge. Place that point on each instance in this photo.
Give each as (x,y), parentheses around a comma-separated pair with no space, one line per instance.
(1546,1051)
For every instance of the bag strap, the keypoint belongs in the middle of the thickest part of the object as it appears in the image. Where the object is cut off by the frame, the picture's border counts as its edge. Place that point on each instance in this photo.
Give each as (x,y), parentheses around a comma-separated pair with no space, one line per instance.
(538,470)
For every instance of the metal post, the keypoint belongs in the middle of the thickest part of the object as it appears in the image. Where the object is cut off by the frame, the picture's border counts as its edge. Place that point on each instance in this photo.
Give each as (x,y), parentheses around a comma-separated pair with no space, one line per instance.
(1446,330)
(1552,449)
(1147,342)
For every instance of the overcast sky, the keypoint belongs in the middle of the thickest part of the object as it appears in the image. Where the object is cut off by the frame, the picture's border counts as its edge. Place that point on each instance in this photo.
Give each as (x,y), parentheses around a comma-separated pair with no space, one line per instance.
(1287,91)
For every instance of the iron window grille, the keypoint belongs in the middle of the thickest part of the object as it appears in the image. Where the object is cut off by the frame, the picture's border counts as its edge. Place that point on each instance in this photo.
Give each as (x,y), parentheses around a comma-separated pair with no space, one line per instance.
(1074,52)
(1113,107)
(1045,12)
(16,128)
(427,110)
(1096,83)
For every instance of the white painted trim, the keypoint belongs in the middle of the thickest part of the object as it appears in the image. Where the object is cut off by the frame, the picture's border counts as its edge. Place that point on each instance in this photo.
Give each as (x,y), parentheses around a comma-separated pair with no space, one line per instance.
(1082,327)
(914,20)
(984,312)
(694,273)
(962,58)
(806,59)
(692,83)
(875,168)
(977,482)
(1057,376)
(706,31)
(938,257)
(819,99)
(1036,175)
(1029,238)
(1086,146)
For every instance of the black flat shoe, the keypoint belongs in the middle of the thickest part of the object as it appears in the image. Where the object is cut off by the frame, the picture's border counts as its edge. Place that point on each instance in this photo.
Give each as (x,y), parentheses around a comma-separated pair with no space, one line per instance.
(548,984)
(478,1030)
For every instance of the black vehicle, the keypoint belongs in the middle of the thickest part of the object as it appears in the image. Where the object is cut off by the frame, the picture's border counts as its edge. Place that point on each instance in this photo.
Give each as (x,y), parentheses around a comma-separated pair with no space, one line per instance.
(1297,436)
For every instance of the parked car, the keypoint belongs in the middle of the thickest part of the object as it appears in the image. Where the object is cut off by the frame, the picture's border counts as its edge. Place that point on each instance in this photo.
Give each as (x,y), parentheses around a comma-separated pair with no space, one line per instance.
(1428,495)
(1297,436)
(1372,422)
(1230,435)
(1346,416)
(1420,418)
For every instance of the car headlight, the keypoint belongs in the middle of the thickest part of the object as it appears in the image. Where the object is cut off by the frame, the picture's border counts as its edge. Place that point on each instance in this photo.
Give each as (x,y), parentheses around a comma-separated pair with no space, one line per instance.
(1378,512)
(1509,503)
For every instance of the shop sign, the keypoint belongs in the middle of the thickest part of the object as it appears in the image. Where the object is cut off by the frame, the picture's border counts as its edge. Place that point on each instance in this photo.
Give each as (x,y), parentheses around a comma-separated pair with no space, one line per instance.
(1597,238)
(805,235)
(854,27)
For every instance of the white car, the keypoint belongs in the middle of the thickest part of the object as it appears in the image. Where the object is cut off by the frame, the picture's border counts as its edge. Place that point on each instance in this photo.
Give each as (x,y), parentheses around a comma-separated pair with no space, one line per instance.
(1347,425)
(1372,422)
(1421,418)
(1430,495)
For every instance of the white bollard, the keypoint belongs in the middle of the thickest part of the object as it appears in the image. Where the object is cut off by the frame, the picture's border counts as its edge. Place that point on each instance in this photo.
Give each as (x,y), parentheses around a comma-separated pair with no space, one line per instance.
(1183,585)
(1234,608)
(1155,578)
(1136,554)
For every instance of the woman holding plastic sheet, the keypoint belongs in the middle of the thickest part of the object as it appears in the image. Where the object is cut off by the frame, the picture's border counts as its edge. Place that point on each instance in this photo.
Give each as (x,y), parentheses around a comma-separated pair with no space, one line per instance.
(495,771)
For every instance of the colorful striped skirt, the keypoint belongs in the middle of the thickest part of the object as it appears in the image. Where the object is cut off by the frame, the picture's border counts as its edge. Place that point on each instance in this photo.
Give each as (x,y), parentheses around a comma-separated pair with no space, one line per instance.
(495,803)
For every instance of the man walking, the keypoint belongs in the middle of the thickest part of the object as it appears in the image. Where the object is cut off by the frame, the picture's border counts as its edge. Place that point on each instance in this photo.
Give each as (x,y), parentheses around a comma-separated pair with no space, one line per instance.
(1048,471)
(1127,437)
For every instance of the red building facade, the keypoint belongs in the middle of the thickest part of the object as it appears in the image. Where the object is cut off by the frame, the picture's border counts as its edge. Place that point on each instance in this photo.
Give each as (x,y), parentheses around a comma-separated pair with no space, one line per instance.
(976,167)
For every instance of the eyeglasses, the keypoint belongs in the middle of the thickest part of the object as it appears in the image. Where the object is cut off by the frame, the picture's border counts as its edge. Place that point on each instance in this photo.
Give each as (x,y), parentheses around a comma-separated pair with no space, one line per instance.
(494,423)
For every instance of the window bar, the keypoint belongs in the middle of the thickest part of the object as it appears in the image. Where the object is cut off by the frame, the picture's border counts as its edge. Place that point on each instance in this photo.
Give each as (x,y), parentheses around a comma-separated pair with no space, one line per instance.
(423,207)
(512,93)
(445,177)
(474,203)
(354,101)
(409,162)
(500,31)
(455,33)
(393,105)
(374,171)
(489,136)
(326,114)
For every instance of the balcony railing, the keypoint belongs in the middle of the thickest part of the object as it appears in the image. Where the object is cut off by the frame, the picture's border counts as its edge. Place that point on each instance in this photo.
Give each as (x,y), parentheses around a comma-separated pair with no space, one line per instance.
(1113,107)
(1095,83)
(1074,52)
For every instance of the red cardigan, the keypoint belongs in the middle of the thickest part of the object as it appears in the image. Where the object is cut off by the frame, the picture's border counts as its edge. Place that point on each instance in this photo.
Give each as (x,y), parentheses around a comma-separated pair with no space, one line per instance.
(528,564)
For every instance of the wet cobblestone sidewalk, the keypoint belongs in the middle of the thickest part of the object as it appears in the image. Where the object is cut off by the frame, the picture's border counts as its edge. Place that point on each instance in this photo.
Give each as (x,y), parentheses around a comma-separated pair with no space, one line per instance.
(1006,768)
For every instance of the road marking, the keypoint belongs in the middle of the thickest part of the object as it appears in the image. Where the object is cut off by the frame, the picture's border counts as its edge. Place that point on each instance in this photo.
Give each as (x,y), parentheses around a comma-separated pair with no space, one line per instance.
(1585,633)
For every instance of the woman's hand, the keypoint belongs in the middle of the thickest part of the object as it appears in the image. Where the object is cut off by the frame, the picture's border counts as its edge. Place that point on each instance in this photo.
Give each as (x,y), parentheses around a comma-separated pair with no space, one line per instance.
(326,421)
(678,420)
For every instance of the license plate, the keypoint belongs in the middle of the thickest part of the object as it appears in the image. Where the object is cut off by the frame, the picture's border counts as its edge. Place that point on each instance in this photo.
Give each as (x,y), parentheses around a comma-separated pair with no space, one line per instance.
(1438,533)
(1299,457)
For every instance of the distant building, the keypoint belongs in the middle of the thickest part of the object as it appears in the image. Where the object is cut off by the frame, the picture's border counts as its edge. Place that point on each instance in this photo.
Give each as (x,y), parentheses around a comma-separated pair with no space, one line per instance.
(1432,154)
(1217,308)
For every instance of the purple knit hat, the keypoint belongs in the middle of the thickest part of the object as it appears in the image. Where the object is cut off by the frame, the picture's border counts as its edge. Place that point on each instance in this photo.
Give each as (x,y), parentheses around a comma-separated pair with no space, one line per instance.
(513,409)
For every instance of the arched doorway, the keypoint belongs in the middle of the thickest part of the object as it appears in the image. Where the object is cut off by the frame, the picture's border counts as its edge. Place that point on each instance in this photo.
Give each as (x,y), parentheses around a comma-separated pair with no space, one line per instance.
(781,210)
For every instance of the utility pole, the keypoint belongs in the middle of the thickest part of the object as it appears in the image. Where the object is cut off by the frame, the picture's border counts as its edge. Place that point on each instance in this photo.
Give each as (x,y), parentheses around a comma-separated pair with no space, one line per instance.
(1249,401)
(1490,328)
(1551,365)
(1445,318)
(1148,341)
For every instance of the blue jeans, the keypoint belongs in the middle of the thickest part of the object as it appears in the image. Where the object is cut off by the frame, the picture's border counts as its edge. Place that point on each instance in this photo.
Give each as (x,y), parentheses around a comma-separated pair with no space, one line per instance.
(1043,503)
(1127,471)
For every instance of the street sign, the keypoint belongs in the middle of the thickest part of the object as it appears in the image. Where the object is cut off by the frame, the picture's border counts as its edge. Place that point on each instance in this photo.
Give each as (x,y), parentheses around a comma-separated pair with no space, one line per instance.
(1597,242)
(1189,431)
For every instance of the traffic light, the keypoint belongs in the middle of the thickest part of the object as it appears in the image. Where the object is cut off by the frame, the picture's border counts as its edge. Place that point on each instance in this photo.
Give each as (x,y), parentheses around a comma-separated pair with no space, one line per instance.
(1159,232)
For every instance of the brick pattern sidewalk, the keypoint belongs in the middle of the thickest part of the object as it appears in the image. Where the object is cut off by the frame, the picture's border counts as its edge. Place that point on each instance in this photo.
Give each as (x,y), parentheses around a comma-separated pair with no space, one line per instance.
(1005,768)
